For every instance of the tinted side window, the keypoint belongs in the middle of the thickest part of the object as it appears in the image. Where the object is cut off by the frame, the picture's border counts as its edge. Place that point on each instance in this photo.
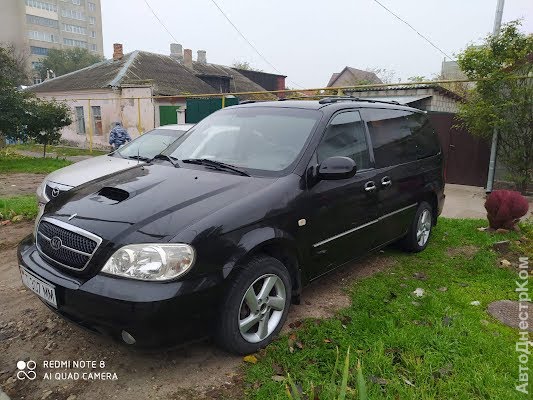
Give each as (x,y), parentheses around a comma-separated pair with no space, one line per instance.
(345,136)
(424,136)
(391,136)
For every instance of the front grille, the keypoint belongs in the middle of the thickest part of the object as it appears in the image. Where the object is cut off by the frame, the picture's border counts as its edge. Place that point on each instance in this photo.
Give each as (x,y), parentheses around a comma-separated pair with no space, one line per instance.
(65,244)
(50,193)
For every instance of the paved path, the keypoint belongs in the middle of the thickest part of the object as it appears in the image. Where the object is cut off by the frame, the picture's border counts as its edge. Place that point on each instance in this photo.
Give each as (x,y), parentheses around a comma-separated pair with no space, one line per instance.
(468,202)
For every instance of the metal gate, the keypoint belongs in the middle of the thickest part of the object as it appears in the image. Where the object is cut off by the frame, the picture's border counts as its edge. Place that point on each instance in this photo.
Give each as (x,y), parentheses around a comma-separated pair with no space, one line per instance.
(198,109)
(168,115)
(466,156)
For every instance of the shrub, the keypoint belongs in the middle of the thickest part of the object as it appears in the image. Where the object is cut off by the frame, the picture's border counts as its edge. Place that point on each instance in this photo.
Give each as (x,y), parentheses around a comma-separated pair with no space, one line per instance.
(505,208)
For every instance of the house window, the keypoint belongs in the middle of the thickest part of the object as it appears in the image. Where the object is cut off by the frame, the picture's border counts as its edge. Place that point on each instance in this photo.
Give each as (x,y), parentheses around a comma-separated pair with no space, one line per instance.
(93,47)
(43,36)
(93,34)
(76,2)
(34,20)
(75,43)
(73,14)
(36,65)
(41,5)
(80,121)
(92,20)
(97,120)
(92,7)
(36,80)
(39,51)
(80,30)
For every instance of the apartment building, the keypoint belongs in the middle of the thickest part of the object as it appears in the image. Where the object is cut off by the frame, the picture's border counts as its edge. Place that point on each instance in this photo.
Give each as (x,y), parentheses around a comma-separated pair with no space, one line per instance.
(35,26)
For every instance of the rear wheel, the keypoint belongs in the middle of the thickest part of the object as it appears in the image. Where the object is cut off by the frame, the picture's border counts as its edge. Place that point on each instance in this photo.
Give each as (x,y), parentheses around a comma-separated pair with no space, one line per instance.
(419,232)
(255,307)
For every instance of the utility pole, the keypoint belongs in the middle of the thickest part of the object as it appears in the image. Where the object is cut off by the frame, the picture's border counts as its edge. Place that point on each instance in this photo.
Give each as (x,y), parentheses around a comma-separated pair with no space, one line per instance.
(494,146)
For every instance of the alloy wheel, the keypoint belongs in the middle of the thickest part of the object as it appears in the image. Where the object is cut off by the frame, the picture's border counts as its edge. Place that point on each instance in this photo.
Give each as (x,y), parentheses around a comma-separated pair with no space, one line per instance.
(261,308)
(423,228)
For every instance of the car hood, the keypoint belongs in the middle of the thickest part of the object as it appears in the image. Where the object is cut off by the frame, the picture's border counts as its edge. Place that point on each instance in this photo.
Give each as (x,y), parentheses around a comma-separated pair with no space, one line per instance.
(87,170)
(150,203)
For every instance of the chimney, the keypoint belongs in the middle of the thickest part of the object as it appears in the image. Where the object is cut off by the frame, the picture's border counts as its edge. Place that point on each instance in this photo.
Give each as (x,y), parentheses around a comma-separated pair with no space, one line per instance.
(117,51)
(187,58)
(202,56)
(176,51)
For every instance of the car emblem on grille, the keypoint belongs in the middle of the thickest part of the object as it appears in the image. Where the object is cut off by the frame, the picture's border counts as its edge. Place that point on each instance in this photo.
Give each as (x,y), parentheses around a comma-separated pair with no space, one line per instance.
(56,243)
(55,192)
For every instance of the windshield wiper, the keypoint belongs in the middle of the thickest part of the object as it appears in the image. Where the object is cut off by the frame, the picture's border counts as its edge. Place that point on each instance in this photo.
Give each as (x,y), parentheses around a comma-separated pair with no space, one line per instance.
(142,158)
(170,159)
(216,165)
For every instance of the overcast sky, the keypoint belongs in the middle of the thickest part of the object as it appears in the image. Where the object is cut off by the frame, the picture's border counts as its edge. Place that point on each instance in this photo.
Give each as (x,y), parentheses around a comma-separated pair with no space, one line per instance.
(308,40)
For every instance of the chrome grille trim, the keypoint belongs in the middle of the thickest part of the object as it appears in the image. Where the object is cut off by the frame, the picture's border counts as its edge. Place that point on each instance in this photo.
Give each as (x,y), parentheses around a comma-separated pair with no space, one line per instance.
(73,229)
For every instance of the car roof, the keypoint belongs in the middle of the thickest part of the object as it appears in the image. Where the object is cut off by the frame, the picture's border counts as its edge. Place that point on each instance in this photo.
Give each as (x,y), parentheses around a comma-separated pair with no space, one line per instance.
(176,127)
(335,103)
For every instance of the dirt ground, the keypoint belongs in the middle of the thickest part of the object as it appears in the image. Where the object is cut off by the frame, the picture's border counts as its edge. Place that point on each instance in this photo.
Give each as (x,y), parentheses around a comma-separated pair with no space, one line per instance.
(19,184)
(29,330)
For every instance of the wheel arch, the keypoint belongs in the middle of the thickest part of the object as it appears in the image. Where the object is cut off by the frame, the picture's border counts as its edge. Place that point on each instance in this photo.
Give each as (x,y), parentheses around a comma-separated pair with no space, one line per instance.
(430,197)
(273,243)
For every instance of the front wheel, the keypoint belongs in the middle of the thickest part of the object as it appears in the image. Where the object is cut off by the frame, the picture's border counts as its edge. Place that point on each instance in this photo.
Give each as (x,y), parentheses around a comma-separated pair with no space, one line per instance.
(417,237)
(255,307)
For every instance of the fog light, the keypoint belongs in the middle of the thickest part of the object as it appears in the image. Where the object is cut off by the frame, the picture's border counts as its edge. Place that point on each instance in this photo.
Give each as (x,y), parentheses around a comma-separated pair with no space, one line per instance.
(128,339)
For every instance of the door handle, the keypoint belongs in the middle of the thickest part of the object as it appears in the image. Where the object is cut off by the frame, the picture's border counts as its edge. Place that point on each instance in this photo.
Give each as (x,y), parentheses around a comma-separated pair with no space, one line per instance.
(370,186)
(385,181)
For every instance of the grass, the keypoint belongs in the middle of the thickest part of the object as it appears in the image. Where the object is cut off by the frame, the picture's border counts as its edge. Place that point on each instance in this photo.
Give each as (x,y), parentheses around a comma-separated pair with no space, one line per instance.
(11,162)
(25,206)
(59,151)
(438,346)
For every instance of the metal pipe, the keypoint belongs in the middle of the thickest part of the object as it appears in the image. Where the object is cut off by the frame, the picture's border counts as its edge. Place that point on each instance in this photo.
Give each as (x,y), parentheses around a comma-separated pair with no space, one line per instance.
(194,96)
(494,145)
(139,127)
(90,128)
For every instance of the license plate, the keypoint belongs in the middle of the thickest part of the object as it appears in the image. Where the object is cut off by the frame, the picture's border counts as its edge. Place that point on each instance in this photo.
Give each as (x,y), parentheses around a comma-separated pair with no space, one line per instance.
(42,289)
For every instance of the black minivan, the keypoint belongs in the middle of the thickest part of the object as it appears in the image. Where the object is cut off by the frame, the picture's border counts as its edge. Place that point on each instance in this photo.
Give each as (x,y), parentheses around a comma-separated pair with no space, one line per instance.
(220,232)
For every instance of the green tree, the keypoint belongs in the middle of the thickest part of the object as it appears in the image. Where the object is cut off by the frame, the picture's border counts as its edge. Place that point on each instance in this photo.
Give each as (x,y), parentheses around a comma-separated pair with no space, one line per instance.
(63,61)
(45,119)
(22,115)
(245,65)
(12,100)
(13,65)
(417,78)
(501,102)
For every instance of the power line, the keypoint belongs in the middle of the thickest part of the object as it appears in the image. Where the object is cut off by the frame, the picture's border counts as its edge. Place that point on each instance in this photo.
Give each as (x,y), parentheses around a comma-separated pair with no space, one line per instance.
(418,33)
(250,43)
(161,22)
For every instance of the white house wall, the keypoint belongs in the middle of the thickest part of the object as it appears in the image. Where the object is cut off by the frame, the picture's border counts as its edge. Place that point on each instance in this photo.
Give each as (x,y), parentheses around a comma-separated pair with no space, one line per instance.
(113,107)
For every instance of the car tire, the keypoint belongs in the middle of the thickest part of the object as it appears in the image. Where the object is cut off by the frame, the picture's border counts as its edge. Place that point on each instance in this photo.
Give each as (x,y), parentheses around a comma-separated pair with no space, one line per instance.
(247,325)
(419,232)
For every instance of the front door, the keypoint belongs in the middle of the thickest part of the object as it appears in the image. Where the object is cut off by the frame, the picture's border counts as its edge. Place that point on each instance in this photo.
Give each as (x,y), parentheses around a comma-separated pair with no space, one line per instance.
(343,213)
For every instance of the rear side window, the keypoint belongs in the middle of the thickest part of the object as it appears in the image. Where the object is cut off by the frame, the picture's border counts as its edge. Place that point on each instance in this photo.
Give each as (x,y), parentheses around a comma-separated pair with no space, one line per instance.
(424,136)
(345,136)
(390,132)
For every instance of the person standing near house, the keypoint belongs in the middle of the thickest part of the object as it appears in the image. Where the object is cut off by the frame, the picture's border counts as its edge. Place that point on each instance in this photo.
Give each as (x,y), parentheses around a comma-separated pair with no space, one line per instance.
(118,136)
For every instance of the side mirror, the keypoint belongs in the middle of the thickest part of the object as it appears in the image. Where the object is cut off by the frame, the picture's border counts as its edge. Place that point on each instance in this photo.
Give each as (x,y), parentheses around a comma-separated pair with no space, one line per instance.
(337,167)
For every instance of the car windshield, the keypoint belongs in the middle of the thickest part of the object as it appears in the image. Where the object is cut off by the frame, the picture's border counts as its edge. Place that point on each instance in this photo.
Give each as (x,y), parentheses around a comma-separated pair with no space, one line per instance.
(150,144)
(257,138)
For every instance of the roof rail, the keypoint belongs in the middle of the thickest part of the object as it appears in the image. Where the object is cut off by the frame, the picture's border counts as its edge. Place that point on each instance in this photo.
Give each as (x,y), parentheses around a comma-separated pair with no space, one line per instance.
(335,99)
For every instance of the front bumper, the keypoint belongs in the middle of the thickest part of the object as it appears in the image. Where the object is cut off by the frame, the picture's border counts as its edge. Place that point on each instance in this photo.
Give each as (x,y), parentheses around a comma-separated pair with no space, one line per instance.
(154,313)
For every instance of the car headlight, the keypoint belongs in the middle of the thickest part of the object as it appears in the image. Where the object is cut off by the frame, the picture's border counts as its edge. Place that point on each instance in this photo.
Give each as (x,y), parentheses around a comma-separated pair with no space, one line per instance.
(41,192)
(151,261)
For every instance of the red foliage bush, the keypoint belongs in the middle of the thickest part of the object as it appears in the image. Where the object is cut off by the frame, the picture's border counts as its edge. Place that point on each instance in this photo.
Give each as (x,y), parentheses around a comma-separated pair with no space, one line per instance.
(505,208)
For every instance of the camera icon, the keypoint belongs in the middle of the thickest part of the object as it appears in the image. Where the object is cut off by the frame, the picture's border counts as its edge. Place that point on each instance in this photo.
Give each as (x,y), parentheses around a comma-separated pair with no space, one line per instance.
(26,370)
